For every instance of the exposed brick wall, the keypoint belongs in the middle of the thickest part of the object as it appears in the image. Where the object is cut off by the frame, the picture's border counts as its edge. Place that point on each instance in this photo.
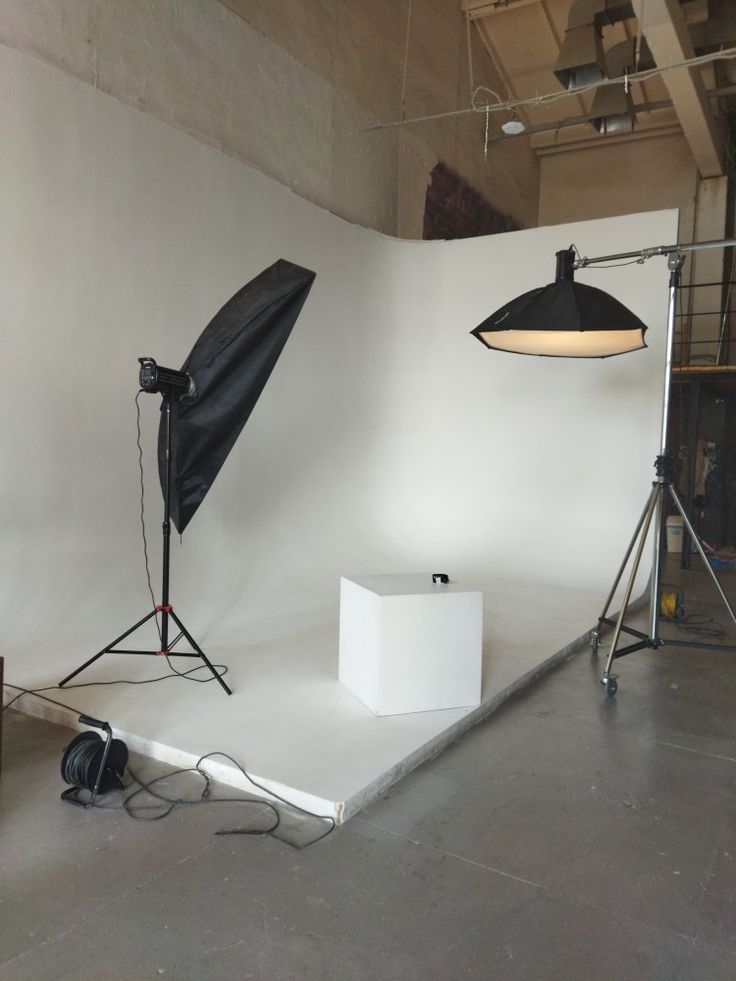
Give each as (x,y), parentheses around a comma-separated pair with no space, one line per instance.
(454,209)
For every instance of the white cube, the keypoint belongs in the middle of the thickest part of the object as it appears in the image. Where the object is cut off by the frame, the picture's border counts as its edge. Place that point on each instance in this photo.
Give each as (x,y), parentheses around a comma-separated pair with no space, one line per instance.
(410,645)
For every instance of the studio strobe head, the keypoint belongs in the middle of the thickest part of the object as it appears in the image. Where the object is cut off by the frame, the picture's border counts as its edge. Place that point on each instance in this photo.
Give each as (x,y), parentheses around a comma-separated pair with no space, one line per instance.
(154,378)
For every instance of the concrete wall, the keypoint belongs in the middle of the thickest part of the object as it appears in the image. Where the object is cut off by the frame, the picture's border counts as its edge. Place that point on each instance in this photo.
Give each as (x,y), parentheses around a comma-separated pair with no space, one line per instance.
(361,47)
(291,88)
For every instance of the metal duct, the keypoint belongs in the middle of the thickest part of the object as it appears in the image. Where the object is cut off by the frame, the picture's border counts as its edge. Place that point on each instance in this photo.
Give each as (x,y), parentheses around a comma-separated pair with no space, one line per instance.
(613,108)
(711,34)
(581,60)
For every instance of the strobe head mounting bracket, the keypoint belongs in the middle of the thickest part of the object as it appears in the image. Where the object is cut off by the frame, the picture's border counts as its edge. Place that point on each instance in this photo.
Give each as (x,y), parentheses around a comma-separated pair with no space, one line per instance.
(675,262)
(168,382)
(664,467)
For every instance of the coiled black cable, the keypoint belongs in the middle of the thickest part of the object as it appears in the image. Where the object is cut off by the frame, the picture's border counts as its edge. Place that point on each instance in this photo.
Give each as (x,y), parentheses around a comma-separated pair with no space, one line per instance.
(80,763)
(86,766)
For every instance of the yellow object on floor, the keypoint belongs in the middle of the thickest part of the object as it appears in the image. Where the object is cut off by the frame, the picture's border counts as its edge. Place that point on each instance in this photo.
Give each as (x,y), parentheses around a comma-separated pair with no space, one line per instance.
(670,603)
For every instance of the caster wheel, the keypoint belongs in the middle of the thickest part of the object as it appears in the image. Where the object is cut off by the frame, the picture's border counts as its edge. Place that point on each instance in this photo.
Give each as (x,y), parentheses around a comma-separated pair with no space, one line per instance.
(610,686)
(594,641)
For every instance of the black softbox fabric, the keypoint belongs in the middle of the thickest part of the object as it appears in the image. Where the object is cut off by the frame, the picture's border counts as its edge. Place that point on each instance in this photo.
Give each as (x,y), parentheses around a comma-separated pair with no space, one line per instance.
(561,306)
(230,364)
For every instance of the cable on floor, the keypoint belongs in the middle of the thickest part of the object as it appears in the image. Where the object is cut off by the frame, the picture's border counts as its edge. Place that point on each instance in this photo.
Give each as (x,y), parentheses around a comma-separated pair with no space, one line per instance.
(701,626)
(171,803)
(222,668)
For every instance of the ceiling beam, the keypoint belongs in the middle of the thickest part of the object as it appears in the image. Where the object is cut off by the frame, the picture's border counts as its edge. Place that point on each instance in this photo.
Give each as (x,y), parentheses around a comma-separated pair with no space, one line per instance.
(663,25)
(476,9)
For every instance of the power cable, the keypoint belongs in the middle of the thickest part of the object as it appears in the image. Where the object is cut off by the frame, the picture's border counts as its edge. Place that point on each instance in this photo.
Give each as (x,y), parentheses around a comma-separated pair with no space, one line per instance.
(171,803)
(83,757)
(222,668)
(143,509)
(187,675)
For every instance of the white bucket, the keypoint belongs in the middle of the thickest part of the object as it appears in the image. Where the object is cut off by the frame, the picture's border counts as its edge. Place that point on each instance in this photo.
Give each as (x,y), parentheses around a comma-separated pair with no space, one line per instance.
(674,533)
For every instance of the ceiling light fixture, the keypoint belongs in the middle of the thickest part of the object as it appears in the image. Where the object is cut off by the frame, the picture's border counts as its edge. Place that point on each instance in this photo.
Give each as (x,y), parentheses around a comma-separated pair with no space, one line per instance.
(513,126)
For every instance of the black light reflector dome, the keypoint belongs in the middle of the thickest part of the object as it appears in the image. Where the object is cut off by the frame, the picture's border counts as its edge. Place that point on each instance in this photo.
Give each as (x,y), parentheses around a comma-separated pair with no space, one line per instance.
(563,320)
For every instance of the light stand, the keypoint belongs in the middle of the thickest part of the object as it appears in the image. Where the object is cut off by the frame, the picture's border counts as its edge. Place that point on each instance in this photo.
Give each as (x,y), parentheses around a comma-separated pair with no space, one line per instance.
(205,406)
(570,320)
(653,513)
(169,383)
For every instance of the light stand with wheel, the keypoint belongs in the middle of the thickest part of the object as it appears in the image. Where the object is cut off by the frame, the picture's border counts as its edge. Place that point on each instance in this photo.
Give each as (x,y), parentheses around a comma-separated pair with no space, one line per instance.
(566,319)
(653,514)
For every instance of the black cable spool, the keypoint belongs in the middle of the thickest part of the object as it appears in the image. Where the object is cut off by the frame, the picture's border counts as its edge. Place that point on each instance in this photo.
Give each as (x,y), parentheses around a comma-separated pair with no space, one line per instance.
(82,765)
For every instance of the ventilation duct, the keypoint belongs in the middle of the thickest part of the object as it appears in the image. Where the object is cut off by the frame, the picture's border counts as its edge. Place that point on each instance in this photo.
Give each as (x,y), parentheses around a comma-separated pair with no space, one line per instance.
(613,108)
(581,60)
(716,32)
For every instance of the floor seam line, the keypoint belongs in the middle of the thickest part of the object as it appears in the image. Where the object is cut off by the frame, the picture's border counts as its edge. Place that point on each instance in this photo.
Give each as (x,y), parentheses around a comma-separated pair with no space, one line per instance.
(699,752)
(460,858)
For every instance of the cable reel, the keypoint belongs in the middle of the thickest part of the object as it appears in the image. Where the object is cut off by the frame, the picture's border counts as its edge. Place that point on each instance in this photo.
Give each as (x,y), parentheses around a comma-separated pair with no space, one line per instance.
(671,606)
(93,764)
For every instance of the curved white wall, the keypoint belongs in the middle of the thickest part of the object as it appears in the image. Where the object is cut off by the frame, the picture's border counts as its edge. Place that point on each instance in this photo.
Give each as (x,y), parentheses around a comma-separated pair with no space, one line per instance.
(386,440)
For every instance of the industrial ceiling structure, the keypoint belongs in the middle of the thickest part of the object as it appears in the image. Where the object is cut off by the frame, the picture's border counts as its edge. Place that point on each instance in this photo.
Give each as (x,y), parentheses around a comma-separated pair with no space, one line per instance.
(542,46)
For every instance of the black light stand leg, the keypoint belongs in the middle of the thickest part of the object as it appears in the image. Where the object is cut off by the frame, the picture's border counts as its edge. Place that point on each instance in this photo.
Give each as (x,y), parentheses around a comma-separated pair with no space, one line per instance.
(109,648)
(199,650)
(165,608)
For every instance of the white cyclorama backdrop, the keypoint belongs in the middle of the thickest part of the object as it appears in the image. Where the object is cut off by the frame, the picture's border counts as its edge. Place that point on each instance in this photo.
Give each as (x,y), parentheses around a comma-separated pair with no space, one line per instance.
(387,440)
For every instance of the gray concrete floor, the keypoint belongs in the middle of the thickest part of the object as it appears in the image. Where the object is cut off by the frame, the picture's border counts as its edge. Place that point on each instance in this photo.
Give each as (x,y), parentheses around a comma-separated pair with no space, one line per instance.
(568,837)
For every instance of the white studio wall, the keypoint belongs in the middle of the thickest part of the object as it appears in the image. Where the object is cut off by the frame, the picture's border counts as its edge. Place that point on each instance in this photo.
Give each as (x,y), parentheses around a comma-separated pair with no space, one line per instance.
(387,440)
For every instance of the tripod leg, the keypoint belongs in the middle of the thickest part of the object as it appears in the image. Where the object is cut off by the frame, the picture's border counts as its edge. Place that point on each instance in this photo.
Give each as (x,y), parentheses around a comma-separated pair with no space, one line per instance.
(199,650)
(694,538)
(596,633)
(654,599)
(606,680)
(104,650)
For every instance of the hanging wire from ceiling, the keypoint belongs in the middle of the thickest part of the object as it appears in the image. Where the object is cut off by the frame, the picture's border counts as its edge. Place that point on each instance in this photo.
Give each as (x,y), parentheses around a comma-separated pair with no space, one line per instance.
(541,100)
(638,38)
(487,110)
(514,126)
(406,59)
(471,81)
